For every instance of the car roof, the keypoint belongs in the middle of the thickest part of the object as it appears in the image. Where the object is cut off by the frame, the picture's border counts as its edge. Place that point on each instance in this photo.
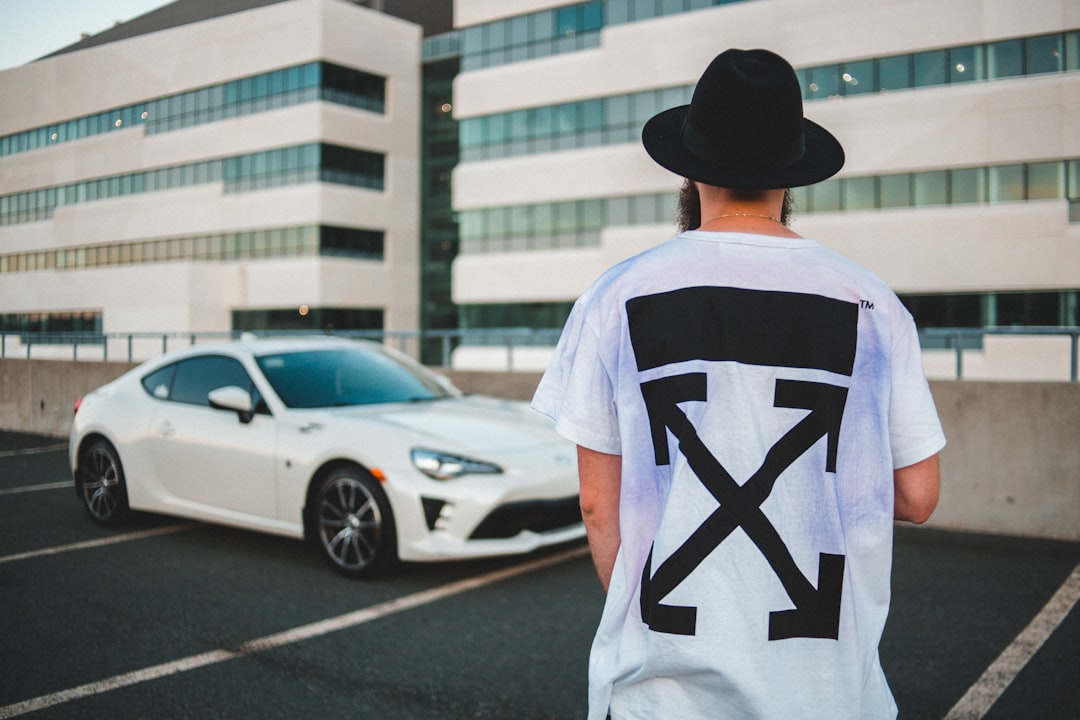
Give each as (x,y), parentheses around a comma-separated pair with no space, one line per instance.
(259,346)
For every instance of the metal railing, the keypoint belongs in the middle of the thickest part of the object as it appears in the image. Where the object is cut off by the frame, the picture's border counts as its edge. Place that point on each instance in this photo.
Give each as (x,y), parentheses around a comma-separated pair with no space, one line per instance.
(135,346)
(960,340)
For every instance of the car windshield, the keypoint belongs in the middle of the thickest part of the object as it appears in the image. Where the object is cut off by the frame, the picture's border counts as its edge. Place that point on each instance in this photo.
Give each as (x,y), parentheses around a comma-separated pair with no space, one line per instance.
(346,376)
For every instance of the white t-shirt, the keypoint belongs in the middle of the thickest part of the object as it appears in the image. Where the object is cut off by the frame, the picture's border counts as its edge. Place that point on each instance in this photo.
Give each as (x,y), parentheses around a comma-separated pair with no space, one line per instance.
(760,391)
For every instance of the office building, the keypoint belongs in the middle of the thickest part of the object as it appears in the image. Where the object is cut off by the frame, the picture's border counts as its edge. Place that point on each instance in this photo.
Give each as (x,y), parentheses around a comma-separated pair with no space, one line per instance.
(216,166)
(962,180)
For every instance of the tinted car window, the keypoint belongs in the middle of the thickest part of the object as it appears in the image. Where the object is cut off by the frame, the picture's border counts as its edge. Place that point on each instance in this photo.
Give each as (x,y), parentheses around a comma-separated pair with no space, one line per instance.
(158,383)
(196,377)
(346,376)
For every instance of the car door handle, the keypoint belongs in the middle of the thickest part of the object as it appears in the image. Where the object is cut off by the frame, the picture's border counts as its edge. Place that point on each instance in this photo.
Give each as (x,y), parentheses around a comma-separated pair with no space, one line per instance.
(311,426)
(166,428)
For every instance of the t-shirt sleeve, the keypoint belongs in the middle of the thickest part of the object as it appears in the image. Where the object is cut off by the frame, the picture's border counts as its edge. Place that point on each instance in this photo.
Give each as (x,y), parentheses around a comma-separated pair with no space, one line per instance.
(576,390)
(914,427)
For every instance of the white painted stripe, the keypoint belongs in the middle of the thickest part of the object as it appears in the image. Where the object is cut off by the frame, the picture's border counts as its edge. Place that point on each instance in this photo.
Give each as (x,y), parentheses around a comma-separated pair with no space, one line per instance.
(981,696)
(43,486)
(111,540)
(33,450)
(304,632)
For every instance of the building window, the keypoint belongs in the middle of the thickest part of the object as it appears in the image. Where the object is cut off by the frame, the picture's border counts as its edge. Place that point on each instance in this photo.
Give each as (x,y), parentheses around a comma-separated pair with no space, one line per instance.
(307,319)
(618,119)
(46,327)
(258,93)
(243,173)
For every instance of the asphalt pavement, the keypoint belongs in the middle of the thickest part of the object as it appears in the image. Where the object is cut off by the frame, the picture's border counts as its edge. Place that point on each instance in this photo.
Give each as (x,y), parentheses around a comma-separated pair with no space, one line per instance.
(171,619)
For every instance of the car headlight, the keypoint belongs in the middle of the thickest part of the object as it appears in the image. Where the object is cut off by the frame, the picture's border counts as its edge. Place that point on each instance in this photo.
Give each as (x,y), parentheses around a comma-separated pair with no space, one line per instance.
(445,466)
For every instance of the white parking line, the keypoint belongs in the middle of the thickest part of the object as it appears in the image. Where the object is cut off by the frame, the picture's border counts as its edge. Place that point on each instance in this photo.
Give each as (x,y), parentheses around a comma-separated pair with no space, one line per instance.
(33,450)
(981,696)
(288,637)
(32,488)
(111,540)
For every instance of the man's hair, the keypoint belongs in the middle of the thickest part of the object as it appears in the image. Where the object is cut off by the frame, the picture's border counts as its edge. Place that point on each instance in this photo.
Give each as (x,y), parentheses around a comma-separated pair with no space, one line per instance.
(688,215)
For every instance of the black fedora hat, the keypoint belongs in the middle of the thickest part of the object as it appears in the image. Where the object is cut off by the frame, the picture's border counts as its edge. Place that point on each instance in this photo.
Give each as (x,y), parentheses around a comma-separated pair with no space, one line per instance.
(744,128)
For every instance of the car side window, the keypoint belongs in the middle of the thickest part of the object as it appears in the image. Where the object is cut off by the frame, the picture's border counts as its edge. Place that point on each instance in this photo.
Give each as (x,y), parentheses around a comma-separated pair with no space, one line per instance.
(190,381)
(158,382)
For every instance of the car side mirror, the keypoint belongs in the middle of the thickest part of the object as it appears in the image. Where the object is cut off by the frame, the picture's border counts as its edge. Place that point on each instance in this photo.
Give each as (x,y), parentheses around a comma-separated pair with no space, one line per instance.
(233,398)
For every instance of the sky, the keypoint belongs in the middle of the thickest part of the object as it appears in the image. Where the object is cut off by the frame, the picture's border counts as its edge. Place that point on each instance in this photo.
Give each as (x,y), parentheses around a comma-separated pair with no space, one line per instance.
(32,28)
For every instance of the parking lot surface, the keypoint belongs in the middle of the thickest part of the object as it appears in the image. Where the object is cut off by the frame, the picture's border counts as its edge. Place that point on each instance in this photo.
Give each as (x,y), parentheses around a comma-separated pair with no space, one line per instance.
(166,618)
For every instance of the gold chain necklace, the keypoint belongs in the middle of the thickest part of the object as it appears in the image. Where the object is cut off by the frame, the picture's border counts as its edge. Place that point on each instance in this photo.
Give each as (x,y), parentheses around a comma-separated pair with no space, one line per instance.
(730,215)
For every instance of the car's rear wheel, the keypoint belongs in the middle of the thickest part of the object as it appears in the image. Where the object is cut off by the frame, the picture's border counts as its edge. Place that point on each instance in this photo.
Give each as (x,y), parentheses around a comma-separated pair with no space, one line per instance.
(355,526)
(101,484)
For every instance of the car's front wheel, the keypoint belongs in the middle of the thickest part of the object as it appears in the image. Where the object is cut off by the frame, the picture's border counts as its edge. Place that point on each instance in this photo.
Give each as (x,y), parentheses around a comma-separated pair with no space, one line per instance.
(101,484)
(355,526)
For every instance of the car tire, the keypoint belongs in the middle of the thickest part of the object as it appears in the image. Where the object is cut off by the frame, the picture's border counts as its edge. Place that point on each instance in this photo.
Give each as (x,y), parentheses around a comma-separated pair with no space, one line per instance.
(354,526)
(101,484)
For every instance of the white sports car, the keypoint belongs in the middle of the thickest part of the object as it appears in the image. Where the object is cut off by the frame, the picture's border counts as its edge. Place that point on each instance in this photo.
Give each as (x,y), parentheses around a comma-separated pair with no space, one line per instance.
(349,444)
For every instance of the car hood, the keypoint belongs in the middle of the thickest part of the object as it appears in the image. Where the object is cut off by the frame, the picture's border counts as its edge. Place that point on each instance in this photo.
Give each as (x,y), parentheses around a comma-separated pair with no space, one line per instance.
(465,423)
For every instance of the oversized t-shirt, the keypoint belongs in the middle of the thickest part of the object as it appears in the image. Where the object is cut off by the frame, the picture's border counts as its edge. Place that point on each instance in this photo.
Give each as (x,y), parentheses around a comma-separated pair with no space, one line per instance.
(761,391)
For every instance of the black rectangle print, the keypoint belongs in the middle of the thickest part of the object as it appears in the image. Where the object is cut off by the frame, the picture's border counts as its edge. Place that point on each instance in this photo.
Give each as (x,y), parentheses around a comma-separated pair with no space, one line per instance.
(755,327)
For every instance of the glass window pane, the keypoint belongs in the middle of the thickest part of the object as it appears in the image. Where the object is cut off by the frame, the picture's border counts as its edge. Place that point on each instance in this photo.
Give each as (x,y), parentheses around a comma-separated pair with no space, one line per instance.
(1073,182)
(966,64)
(1046,181)
(894,73)
(825,196)
(592,16)
(968,186)
(930,68)
(1006,59)
(931,188)
(859,193)
(858,77)
(1044,54)
(825,81)
(1006,183)
(1072,51)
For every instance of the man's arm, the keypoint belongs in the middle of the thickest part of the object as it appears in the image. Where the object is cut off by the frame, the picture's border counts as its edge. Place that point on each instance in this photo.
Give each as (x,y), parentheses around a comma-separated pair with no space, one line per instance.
(600,475)
(916,489)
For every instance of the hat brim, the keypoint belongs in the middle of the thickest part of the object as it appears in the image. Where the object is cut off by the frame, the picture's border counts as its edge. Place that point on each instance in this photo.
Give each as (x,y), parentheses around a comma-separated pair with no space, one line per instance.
(662,138)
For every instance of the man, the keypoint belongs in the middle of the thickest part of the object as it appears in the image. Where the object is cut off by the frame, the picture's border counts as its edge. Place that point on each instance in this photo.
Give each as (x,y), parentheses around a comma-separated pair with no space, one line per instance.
(751,415)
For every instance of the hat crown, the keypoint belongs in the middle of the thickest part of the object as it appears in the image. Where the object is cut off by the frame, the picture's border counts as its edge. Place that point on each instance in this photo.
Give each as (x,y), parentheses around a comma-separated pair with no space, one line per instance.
(744,128)
(747,111)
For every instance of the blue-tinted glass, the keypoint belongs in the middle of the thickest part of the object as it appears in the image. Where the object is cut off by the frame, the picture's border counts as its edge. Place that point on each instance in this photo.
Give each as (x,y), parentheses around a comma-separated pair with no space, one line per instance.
(566,21)
(496,129)
(616,12)
(1007,183)
(592,112)
(1046,181)
(518,125)
(825,81)
(967,186)
(930,68)
(471,40)
(1006,59)
(825,196)
(858,77)
(859,193)
(1072,188)
(470,132)
(1072,51)
(1044,54)
(566,119)
(542,119)
(966,64)
(592,16)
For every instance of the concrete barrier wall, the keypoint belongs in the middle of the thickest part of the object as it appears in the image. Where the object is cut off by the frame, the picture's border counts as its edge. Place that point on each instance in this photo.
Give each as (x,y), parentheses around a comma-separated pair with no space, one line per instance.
(1012,464)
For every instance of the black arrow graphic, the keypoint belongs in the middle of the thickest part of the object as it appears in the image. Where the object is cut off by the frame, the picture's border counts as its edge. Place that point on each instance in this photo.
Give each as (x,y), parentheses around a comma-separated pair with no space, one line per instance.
(817,610)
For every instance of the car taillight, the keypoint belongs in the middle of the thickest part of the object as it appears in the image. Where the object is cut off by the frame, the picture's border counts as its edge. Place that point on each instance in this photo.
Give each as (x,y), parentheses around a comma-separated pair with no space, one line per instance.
(78,404)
